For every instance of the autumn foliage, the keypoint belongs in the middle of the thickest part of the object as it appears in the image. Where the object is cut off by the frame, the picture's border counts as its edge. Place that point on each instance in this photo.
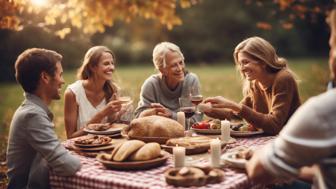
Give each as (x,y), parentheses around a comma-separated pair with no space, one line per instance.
(90,16)
(288,11)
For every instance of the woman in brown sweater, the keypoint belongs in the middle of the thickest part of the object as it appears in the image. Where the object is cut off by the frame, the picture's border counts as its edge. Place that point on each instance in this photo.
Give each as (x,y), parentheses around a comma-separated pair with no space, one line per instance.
(270,91)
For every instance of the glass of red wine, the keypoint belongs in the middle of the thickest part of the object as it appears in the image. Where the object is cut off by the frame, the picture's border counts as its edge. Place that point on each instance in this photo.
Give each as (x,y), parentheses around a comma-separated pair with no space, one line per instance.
(187,107)
(196,99)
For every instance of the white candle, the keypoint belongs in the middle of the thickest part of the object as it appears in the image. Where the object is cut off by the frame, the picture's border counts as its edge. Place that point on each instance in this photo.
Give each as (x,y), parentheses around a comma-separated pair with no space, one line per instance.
(179,156)
(215,147)
(225,130)
(181,118)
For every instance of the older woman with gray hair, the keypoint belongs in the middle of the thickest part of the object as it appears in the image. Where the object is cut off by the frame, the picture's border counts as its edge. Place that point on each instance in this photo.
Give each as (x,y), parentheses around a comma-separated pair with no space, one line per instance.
(160,93)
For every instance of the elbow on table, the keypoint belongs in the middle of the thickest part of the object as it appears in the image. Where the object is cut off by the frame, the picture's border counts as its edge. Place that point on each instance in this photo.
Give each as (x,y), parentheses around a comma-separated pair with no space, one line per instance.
(68,166)
(69,170)
(272,129)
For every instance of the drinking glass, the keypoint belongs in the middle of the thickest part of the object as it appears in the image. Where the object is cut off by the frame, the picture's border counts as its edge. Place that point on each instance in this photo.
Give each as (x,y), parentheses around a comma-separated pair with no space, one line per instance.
(187,107)
(126,107)
(196,99)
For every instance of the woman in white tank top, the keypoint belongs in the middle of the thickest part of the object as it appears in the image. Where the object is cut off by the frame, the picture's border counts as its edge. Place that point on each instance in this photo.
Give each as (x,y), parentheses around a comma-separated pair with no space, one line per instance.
(92,99)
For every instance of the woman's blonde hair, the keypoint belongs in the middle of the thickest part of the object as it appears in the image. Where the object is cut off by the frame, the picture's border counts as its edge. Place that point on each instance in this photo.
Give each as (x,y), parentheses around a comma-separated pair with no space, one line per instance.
(160,51)
(331,20)
(262,51)
(91,59)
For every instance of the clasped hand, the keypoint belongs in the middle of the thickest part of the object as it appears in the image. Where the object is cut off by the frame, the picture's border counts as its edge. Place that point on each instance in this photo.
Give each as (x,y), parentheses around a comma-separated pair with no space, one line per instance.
(156,109)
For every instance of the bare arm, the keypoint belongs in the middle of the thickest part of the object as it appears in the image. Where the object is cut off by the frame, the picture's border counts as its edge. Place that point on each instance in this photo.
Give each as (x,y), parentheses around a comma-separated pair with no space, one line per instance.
(71,115)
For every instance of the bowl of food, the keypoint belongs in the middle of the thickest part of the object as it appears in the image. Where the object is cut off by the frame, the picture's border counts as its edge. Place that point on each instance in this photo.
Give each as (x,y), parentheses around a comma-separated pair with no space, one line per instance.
(212,126)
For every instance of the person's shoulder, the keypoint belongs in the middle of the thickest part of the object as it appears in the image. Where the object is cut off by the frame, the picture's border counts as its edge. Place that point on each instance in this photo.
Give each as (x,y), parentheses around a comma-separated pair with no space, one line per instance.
(28,110)
(150,83)
(191,76)
(284,77)
(316,114)
(152,79)
(284,74)
(323,100)
(75,85)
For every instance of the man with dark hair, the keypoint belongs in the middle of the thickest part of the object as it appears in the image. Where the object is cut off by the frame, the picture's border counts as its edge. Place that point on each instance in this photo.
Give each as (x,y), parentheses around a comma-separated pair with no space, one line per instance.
(33,146)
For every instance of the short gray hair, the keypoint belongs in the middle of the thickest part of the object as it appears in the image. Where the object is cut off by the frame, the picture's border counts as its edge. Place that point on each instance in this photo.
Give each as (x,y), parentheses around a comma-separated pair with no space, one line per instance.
(160,51)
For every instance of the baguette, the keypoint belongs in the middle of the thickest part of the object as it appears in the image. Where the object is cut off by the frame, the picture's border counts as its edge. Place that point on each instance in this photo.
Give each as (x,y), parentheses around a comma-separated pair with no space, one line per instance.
(115,150)
(148,151)
(126,149)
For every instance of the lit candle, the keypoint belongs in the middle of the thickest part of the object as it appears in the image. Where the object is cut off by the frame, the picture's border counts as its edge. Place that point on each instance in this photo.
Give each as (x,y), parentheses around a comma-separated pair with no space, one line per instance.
(225,130)
(181,118)
(179,156)
(215,146)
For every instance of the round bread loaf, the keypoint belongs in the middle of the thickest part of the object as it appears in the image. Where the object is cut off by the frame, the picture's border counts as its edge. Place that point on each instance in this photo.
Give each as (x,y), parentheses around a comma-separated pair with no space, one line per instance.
(155,126)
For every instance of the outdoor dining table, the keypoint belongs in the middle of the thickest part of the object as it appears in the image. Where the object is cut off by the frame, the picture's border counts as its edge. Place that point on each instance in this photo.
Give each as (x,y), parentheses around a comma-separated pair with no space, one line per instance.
(94,175)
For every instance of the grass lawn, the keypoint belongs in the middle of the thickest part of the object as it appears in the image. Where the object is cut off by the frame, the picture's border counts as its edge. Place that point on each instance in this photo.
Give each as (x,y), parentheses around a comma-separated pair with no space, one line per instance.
(220,79)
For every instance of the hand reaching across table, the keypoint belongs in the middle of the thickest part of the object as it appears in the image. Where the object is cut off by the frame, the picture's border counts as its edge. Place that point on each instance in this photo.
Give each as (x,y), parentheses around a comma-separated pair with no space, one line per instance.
(156,109)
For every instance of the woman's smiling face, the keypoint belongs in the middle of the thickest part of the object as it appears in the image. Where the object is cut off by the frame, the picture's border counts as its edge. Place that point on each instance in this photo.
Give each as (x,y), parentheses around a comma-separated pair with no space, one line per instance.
(105,67)
(251,69)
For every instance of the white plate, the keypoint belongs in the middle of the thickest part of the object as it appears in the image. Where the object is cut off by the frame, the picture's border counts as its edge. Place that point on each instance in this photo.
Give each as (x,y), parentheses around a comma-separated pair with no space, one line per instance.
(230,159)
(106,132)
(245,133)
(207,131)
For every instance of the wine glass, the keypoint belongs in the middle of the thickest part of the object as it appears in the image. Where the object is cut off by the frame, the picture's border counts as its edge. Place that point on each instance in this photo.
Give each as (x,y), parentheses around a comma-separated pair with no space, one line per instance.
(126,107)
(196,99)
(187,107)
(125,97)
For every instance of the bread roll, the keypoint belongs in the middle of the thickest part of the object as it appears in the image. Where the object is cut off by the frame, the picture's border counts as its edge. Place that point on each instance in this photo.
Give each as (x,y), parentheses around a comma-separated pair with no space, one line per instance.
(115,150)
(126,149)
(155,126)
(148,151)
